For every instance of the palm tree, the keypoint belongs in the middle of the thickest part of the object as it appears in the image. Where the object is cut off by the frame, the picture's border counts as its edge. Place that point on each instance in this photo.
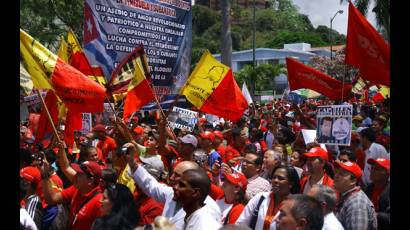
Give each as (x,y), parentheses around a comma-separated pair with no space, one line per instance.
(226,39)
(381,9)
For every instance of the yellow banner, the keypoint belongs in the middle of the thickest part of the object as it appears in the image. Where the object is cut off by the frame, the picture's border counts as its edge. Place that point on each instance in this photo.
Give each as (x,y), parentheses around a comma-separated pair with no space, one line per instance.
(25,81)
(205,78)
(39,61)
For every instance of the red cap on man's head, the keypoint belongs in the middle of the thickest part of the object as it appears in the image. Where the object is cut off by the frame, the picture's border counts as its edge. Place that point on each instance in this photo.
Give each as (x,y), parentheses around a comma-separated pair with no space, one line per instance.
(231,153)
(207,135)
(350,167)
(317,152)
(99,128)
(384,163)
(237,178)
(219,134)
(31,174)
(90,168)
(139,130)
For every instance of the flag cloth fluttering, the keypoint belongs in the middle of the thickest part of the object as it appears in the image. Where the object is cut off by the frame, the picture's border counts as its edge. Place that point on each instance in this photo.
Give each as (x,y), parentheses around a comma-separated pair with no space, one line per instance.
(50,72)
(129,80)
(303,76)
(212,89)
(246,93)
(366,49)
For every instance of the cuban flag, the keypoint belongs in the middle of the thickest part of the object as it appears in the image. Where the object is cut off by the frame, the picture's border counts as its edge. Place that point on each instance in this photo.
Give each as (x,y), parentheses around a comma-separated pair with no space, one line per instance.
(94,48)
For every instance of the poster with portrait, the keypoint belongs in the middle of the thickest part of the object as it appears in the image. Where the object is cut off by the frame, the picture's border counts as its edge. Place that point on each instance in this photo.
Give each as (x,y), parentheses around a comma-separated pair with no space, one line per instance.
(334,124)
(182,118)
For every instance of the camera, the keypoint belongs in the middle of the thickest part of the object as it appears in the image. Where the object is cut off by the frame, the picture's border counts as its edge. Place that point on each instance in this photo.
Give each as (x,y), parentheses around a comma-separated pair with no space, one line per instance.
(123,151)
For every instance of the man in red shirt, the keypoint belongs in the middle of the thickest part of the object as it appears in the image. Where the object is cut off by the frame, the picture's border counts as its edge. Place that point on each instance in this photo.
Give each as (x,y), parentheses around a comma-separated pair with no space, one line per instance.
(218,145)
(105,143)
(379,190)
(84,196)
(316,160)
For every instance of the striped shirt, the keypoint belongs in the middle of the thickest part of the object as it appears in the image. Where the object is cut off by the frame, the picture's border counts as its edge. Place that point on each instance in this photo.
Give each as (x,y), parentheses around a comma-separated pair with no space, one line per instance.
(356,211)
(35,209)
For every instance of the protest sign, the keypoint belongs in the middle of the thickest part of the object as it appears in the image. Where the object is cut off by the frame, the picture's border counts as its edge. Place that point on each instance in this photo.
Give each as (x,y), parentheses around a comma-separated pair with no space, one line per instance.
(334,124)
(309,136)
(112,29)
(182,118)
(86,123)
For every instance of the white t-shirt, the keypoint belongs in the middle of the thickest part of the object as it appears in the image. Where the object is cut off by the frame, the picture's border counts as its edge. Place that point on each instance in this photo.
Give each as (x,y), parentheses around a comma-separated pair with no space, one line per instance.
(375,151)
(331,223)
(246,216)
(26,221)
(201,219)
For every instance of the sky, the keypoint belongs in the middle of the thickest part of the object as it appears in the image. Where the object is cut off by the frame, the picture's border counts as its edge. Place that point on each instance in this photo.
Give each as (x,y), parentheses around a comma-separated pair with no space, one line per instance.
(320,12)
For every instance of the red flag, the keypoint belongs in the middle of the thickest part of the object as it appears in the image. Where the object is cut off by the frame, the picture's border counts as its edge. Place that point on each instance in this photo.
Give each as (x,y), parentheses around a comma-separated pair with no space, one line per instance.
(73,123)
(303,76)
(44,125)
(129,77)
(366,49)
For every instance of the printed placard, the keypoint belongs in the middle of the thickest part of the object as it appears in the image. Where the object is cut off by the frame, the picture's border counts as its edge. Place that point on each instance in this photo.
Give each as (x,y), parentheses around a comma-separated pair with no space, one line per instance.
(334,124)
(182,118)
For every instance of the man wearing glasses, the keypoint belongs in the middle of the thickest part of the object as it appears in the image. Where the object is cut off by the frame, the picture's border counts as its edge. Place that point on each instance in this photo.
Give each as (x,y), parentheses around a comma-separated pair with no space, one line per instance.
(251,167)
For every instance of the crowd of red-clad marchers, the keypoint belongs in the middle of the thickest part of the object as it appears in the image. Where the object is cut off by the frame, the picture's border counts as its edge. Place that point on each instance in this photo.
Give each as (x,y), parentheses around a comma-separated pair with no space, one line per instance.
(256,173)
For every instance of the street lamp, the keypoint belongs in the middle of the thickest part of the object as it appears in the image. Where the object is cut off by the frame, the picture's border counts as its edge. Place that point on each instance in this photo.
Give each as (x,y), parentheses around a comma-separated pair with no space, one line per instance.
(330,32)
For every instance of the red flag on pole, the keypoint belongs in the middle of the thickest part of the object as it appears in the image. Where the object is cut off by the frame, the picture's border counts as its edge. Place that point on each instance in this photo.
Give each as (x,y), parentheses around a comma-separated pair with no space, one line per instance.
(44,125)
(366,49)
(303,76)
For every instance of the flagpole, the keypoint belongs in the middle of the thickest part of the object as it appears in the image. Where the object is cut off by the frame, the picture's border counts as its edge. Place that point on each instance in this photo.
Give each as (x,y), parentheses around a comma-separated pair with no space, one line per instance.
(49,116)
(148,75)
(343,83)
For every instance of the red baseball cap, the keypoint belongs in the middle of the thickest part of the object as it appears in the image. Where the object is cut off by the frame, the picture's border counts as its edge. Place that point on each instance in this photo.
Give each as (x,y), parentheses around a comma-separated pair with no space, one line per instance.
(218,134)
(350,167)
(317,152)
(99,128)
(231,153)
(381,162)
(31,174)
(237,178)
(88,167)
(139,130)
(207,135)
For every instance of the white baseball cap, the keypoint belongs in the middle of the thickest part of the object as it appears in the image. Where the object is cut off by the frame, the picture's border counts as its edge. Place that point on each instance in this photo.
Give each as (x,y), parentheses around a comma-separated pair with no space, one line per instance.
(189,139)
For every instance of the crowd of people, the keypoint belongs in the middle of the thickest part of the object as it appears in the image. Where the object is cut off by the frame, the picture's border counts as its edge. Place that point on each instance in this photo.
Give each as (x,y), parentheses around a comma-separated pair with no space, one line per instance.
(256,173)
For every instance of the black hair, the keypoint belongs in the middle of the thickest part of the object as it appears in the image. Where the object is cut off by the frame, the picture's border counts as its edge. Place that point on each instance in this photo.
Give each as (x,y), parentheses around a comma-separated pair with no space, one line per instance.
(259,135)
(84,152)
(289,136)
(309,208)
(24,187)
(259,160)
(26,157)
(350,154)
(109,175)
(197,178)
(293,177)
(50,156)
(369,133)
(124,213)
(236,132)
(250,148)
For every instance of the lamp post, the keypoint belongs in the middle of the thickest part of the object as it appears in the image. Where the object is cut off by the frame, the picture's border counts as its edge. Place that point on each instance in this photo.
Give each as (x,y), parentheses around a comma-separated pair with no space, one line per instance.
(253,49)
(330,32)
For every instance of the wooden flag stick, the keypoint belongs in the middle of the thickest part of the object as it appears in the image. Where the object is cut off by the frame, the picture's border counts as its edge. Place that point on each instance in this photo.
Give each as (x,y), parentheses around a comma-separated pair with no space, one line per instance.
(148,75)
(49,116)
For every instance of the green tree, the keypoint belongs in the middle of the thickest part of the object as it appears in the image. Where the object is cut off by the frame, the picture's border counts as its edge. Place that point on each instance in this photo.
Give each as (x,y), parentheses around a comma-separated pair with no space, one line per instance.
(264,75)
(47,20)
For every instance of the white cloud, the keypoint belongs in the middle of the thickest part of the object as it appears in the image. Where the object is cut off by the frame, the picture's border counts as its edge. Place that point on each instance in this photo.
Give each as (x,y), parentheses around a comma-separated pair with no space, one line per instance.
(320,12)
